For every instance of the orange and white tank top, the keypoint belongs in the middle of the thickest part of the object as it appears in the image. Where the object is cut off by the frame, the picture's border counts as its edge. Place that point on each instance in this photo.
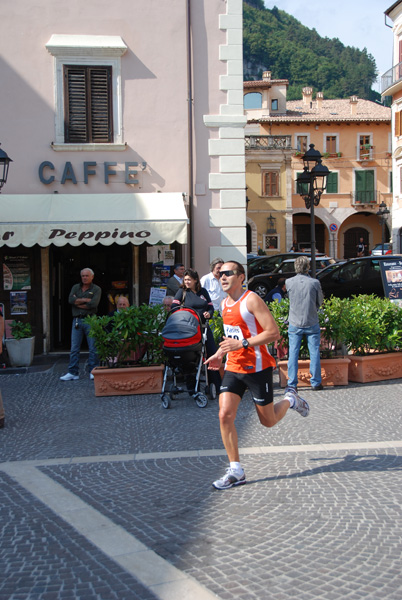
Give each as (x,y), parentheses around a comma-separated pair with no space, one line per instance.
(240,324)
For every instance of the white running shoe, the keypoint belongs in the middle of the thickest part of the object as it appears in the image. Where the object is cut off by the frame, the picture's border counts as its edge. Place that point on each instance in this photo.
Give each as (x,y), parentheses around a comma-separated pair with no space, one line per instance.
(69,377)
(91,376)
(299,404)
(230,479)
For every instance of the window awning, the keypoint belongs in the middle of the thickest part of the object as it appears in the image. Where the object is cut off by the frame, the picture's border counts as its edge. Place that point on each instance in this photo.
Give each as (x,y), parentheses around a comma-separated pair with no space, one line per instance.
(91,219)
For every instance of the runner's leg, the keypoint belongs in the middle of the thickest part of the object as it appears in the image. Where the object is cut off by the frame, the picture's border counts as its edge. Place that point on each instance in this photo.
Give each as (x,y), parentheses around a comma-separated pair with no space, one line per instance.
(228,405)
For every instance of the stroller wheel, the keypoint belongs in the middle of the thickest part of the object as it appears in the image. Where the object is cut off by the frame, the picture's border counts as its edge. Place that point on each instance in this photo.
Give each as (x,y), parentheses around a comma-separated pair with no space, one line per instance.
(212,391)
(165,401)
(201,400)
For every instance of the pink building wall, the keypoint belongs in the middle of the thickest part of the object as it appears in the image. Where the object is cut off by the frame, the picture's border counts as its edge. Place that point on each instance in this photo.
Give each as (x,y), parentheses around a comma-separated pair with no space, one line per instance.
(154,90)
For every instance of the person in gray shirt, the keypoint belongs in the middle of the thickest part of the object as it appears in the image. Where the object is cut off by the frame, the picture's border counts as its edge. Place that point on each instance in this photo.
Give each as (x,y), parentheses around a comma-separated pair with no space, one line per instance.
(305,298)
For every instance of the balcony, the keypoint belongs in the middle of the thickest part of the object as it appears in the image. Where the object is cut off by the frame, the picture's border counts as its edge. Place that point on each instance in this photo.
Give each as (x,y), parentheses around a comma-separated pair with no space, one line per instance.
(364,152)
(268,142)
(390,78)
(367,197)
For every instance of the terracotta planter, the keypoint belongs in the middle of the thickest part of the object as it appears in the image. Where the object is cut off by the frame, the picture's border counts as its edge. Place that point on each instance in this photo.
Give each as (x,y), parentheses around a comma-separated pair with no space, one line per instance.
(375,367)
(334,371)
(128,380)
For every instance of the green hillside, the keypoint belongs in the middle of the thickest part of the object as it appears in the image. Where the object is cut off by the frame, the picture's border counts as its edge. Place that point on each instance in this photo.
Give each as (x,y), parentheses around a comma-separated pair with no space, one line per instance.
(277,42)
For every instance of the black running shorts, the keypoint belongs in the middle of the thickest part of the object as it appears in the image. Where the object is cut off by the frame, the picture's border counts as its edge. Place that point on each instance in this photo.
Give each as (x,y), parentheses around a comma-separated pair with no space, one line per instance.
(260,385)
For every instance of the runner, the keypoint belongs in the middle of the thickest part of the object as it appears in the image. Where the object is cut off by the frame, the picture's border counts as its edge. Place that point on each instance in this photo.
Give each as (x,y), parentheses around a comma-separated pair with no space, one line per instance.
(248,326)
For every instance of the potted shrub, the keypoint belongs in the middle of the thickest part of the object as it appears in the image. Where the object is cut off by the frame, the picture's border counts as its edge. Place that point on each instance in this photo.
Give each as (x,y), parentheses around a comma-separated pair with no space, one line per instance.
(20,348)
(373,336)
(334,365)
(129,346)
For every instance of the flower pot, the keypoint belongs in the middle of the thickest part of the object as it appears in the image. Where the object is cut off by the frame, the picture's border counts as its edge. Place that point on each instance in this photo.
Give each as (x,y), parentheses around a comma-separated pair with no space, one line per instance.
(334,371)
(375,367)
(128,380)
(20,352)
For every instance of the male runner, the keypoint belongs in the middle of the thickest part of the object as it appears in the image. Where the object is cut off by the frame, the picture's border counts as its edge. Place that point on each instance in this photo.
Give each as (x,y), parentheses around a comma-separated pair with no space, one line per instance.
(248,326)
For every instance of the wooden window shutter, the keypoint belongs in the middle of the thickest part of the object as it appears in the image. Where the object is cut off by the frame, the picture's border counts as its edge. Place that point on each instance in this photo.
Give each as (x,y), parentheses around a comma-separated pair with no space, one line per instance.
(332,183)
(100,103)
(88,104)
(270,187)
(398,123)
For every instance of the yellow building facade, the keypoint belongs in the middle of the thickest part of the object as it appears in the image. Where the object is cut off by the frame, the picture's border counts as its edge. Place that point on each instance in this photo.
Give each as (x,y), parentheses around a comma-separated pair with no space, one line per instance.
(354,138)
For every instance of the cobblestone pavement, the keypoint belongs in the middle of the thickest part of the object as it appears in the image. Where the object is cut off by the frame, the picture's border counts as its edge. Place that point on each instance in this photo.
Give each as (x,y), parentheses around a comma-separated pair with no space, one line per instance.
(112,498)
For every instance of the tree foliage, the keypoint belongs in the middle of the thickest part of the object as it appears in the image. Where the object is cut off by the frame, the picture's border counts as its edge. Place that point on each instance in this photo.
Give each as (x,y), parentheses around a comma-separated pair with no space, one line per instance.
(275,41)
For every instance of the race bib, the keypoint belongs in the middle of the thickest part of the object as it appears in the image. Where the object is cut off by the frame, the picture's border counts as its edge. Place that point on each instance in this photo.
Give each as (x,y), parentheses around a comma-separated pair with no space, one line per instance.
(233,331)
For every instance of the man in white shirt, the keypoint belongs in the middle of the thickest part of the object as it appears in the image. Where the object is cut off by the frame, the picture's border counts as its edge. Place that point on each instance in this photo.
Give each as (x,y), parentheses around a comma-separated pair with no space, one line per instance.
(212,283)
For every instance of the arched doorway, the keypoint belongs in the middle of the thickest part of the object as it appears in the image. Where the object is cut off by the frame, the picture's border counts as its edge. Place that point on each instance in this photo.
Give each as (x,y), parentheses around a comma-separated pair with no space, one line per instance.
(351,239)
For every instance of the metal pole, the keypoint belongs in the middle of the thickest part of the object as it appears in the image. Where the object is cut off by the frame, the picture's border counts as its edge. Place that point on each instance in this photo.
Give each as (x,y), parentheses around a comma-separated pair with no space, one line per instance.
(312,225)
(382,234)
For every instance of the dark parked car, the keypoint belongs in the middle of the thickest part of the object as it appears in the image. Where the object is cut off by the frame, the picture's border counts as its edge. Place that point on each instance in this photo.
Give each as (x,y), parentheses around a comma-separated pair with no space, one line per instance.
(355,276)
(267,264)
(264,283)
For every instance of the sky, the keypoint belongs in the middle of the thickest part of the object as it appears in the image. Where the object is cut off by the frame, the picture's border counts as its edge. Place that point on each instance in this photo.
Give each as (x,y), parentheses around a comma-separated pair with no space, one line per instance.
(358,23)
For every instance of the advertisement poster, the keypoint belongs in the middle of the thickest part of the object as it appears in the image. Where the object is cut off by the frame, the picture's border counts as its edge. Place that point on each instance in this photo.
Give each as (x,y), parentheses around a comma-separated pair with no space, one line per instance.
(157,295)
(160,274)
(19,303)
(16,273)
(156,254)
(391,272)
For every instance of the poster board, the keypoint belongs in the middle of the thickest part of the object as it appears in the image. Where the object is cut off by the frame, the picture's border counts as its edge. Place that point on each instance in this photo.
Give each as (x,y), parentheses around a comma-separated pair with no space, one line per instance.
(157,295)
(391,273)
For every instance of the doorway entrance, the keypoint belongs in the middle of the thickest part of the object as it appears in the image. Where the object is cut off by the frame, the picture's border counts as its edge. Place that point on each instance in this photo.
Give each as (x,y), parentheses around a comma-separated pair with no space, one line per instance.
(351,239)
(112,266)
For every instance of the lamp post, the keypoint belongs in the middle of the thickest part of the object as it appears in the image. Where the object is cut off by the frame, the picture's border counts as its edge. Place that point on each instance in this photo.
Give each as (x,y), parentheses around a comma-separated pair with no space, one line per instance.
(382,213)
(4,164)
(310,185)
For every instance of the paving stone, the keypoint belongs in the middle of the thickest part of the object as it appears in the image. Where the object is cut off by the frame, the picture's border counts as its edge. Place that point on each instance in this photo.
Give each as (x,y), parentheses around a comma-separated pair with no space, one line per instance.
(307,526)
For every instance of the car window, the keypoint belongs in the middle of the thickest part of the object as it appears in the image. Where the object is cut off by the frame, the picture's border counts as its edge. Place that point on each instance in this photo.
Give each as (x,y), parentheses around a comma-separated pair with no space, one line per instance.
(374,268)
(352,271)
(287,267)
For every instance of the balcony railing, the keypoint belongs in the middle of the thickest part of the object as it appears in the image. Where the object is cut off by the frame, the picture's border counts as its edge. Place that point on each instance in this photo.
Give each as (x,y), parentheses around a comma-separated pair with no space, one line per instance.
(391,77)
(268,142)
(365,197)
(365,152)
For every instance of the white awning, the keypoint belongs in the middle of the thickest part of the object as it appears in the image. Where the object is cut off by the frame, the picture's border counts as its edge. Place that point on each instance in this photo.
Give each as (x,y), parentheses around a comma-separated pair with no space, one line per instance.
(91,219)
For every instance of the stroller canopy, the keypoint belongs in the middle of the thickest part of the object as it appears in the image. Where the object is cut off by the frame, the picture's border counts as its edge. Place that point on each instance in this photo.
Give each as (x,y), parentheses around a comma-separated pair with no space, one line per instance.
(182,328)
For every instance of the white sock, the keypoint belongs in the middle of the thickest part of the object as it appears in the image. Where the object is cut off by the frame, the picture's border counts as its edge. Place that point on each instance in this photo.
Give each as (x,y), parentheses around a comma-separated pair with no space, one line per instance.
(291,401)
(236,466)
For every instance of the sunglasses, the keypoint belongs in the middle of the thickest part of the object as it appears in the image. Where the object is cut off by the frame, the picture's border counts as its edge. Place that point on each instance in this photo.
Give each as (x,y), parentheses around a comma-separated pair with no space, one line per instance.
(227,273)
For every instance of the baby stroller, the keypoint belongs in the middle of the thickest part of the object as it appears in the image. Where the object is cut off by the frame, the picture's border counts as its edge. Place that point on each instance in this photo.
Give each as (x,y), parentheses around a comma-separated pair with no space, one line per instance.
(184,338)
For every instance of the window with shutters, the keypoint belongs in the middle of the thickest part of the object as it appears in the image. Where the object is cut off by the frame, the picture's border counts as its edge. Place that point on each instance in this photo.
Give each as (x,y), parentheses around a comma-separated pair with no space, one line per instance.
(332,183)
(270,183)
(364,187)
(301,142)
(398,125)
(331,144)
(88,104)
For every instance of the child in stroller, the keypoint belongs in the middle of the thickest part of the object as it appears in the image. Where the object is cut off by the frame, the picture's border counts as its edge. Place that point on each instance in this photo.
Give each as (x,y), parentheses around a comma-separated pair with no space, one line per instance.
(184,338)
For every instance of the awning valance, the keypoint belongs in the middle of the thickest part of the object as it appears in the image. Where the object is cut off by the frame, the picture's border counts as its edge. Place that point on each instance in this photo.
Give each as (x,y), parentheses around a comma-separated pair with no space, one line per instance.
(92,219)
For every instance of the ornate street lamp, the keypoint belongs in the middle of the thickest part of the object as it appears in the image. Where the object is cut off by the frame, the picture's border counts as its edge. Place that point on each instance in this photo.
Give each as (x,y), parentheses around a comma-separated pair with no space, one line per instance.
(310,185)
(382,213)
(4,164)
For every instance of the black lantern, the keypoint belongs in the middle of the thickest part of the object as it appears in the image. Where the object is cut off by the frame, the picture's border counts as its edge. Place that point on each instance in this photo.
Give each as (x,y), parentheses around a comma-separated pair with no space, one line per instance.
(4,164)
(382,213)
(310,185)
